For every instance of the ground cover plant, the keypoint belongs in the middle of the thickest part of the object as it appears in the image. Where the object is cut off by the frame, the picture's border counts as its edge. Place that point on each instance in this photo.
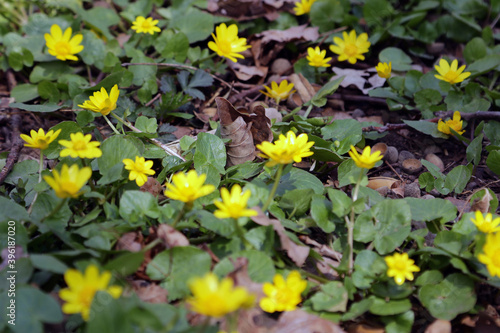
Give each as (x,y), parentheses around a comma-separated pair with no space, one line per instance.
(249,166)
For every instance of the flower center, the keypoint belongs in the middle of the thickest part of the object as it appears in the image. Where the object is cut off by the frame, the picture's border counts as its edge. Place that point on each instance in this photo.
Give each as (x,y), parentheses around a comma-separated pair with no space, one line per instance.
(146,25)
(62,48)
(80,145)
(400,266)
(451,76)
(225,47)
(42,143)
(69,187)
(86,295)
(351,50)
(106,105)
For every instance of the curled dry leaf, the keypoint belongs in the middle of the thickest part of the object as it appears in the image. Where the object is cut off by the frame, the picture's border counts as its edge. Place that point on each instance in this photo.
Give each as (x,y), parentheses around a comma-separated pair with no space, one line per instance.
(130,241)
(364,328)
(482,204)
(298,253)
(171,237)
(152,186)
(439,326)
(301,32)
(245,128)
(304,89)
(241,278)
(245,73)
(150,292)
(246,9)
(299,321)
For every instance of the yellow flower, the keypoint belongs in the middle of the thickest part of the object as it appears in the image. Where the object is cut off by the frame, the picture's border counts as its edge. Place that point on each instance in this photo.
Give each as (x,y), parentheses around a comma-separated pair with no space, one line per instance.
(384,70)
(456,123)
(280,92)
(80,146)
(401,267)
(69,182)
(451,74)
(62,45)
(82,289)
(491,255)
(188,187)
(233,204)
(145,25)
(487,225)
(287,149)
(367,159)
(283,295)
(227,44)
(139,170)
(316,57)
(215,298)
(351,48)
(102,102)
(40,140)
(303,7)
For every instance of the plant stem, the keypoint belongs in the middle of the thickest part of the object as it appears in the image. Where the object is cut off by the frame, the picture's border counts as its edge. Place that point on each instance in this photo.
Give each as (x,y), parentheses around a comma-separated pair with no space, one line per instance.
(350,223)
(55,210)
(291,114)
(275,187)
(315,277)
(179,216)
(308,111)
(111,125)
(241,234)
(39,181)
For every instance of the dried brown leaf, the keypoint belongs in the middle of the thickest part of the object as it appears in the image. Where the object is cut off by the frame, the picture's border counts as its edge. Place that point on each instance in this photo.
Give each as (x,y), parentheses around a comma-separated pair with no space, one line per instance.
(483,204)
(298,33)
(130,241)
(299,321)
(305,90)
(298,253)
(439,326)
(245,73)
(152,186)
(241,278)
(150,292)
(364,328)
(171,237)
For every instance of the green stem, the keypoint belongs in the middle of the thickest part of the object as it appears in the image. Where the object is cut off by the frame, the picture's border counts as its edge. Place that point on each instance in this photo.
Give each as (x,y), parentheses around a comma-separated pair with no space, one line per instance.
(316,75)
(179,216)
(241,234)
(356,188)
(315,277)
(39,181)
(111,125)
(138,41)
(308,111)
(210,56)
(493,81)
(275,187)
(291,114)
(350,223)
(55,210)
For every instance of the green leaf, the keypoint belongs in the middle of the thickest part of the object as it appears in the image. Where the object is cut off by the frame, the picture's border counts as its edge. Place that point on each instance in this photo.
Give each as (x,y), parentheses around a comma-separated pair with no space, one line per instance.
(457,179)
(426,127)
(94,50)
(376,12)
(147,125)
(15,61)
(210,157)
(117,148)
(368,265)
(349,173)
(484,64)
(400,323)
(381,307)
(387,93)
(136,205)
(493,161)
(260,266)
(347,131)
(49,71)
(447,299)
(475,50)
(452,242)
(299,179)
(173,45)
(36,107)
(429,277)
(331,298)
(325,14)
(176,266)
(321,212)
(399,59)
(319,99)
(341,203)
(126,264)
(100,18)
(37,308)
(388,223)
(427,210)
(48,263)
(48,90)
(426,98)
(23,93)
(194,23)
(474,150)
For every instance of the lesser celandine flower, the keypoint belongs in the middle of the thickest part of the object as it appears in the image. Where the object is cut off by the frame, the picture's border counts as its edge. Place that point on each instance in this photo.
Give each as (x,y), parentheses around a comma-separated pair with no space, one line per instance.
(139,169)
(367,159)
(102,102)
(287,149)
(283,295)
(82,289)
(317,58)
(70,181)
(62,45)
(145,25)
(491,254)
(486,223)
(303,7)
(233,204)
(451,74)
(351,47)
(80,146)
(279,93)
(188,187)
(401,267)
(227,44)
(456,124)
(40,140)
(384,69)
(215,298)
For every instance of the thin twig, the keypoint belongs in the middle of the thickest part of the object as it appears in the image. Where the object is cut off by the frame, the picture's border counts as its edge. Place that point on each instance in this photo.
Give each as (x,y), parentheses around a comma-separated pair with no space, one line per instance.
(393,170)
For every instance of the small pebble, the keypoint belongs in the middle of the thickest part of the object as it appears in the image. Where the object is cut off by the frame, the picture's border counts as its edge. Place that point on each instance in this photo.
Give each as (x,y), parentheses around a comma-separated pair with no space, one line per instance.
(404,155)
(428,196)
(358,113)
(412,190)
(391,154)
(434,159)
(281,66)
(411,165)
(432,150)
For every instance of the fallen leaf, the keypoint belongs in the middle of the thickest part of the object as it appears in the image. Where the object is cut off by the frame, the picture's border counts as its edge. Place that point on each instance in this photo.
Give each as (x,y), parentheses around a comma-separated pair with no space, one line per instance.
(299,321)
(130,241)
(364,328)
(297,33)
(171,237)
(439,326)
(378,182)
(245,73)
(150,292)
(298,253)
(483,204)
(152,186)
(357,77)
(241,278)
(304,89)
